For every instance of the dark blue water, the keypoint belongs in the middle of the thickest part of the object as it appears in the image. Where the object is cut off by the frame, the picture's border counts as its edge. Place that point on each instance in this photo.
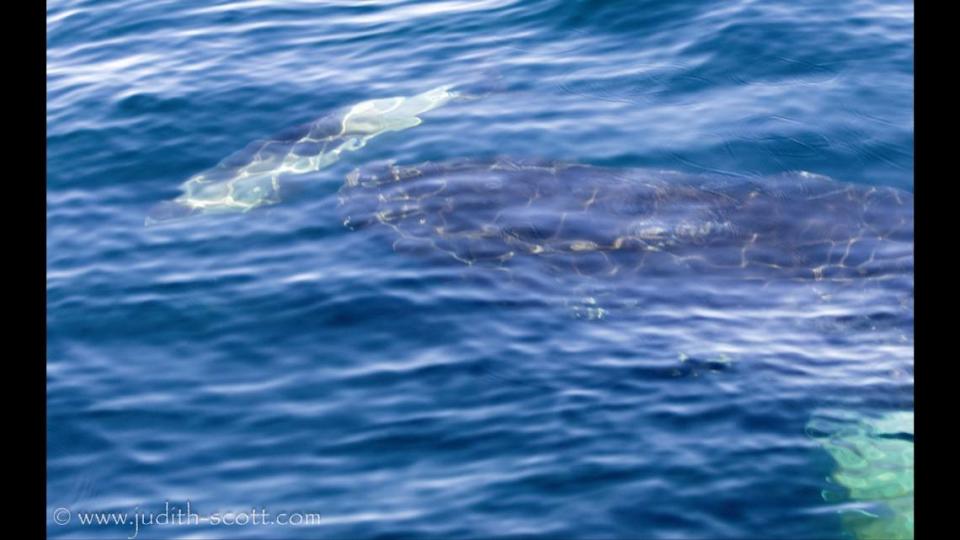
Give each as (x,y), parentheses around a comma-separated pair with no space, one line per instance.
(278,360)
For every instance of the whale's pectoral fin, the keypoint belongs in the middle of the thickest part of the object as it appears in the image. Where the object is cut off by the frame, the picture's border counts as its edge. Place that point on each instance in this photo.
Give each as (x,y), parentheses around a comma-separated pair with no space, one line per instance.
(402,123)
(395,124)
(407,123)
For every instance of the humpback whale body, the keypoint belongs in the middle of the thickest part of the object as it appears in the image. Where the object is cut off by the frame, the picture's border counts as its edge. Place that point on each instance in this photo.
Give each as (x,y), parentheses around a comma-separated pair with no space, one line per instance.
(251,178)
(618,223)
(572,218)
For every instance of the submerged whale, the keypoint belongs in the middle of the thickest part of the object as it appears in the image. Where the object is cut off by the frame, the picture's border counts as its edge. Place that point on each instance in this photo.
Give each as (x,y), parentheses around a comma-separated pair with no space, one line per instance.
(619,223)
(251,178)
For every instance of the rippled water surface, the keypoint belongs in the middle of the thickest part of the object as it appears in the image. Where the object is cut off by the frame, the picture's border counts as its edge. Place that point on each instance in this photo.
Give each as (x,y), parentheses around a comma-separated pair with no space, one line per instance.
(286,359)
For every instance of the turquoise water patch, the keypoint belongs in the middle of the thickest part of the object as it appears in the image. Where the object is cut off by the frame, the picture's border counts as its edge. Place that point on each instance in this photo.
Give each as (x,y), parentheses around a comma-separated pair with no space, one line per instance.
(874,465)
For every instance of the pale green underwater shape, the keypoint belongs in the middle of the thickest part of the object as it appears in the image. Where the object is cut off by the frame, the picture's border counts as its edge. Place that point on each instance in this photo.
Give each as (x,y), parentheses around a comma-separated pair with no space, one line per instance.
(874,458)
(251,178)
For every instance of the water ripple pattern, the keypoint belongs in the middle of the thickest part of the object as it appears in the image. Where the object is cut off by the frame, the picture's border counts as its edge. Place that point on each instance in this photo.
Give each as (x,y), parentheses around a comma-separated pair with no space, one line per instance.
(307,357)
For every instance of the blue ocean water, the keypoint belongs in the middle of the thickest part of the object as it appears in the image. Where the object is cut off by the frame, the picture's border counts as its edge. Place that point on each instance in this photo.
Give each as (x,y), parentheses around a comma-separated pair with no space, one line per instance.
(277,360)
